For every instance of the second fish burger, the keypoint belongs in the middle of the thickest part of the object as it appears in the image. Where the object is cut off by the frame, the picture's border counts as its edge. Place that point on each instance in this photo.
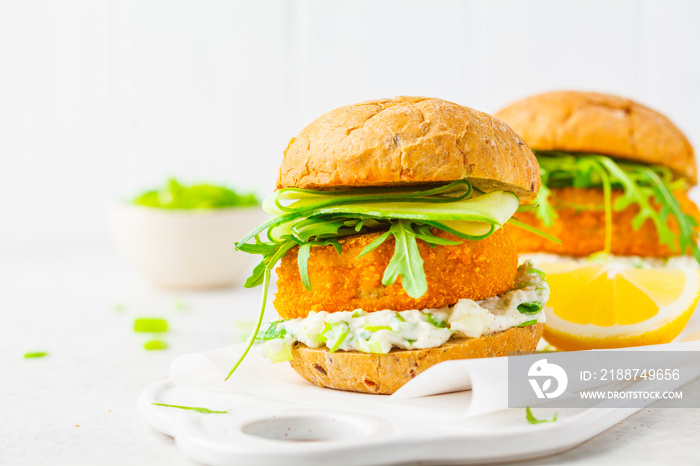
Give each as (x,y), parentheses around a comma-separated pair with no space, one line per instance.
(387,221)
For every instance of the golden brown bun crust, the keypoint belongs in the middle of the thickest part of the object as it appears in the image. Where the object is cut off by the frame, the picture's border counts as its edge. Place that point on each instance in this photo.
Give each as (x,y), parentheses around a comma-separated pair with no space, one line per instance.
(473,269)
(409,140)
(601,124)
(386,373)
(582,232)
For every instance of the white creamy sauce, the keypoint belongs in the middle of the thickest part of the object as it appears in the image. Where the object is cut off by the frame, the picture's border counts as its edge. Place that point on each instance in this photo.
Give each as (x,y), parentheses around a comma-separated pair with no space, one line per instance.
(680,262)
(379,332)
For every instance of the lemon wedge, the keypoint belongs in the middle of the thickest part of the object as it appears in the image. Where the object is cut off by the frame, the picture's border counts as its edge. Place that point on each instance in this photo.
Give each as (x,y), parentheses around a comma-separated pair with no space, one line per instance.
(616,305)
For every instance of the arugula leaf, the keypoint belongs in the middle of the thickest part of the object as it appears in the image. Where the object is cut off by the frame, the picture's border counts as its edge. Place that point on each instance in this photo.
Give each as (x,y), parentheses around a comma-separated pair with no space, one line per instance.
(406,261)
(374,244)
(533,420)
(639,184)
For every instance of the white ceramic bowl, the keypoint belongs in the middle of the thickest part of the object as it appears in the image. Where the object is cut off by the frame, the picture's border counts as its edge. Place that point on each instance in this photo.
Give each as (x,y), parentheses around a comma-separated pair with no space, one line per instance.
(186,249)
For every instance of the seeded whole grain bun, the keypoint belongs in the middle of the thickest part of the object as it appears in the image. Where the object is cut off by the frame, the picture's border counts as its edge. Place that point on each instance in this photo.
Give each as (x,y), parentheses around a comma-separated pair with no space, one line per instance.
(385,373)
(409,140)
(590,122)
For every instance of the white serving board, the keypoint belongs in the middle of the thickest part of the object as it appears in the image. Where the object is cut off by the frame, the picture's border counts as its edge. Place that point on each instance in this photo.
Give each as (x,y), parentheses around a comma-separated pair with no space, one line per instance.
(356,428)
(275,417)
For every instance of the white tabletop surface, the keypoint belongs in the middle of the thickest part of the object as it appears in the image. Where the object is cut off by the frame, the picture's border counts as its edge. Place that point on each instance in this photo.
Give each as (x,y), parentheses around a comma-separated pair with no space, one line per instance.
(77,406)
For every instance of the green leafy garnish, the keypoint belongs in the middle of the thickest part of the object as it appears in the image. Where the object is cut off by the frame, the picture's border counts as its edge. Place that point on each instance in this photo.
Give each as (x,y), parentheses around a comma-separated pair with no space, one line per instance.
(528,323)
(251,339)
(310,218)
(150,325)
(191,408)
(155,345)
(433,320)
(36,354)
(530,308)
(639,184)
(272,331)
(201,196)
(533,420)
(406,261)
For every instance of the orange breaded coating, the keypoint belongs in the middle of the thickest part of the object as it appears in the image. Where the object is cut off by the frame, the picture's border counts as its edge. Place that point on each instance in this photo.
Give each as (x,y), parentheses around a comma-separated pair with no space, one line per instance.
(582,232)
(473,269)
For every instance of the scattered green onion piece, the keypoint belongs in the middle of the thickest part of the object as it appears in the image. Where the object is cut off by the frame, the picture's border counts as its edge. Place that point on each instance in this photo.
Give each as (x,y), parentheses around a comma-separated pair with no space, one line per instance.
(36,354)
(155,345)
(191,408)
(151,325)
(533,420)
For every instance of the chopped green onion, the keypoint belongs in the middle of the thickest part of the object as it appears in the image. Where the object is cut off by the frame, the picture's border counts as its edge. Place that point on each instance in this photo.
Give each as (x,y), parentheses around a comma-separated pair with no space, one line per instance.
(151,325)
(155,345)
(433,320)
(334,335)
(191,408)
(533,420)
(203,196)
(279,351)
(37,354)
(376,328)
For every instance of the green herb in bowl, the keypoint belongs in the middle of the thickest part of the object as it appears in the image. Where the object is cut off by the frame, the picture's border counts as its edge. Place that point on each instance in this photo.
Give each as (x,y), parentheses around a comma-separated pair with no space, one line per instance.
(175,195)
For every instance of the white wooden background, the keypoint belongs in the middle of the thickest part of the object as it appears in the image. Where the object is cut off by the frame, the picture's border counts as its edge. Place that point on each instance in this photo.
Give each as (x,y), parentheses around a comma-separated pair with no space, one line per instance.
(102,98)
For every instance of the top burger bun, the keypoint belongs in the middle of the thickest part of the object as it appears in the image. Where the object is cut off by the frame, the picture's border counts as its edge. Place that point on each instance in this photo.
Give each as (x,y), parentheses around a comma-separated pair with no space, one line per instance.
(409,140)
(604,124)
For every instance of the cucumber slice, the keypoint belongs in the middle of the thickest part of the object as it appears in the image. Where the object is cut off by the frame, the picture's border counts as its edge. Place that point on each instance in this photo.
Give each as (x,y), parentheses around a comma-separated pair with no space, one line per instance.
(467,230)
(495,207)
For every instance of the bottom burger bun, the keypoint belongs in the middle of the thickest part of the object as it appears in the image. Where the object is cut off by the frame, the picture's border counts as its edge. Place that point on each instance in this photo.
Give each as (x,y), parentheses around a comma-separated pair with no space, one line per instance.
(385,373)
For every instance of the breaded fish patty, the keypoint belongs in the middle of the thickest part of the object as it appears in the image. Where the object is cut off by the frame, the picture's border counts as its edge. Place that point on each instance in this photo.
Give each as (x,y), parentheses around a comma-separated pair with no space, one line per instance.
(582,231)
(472,269)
